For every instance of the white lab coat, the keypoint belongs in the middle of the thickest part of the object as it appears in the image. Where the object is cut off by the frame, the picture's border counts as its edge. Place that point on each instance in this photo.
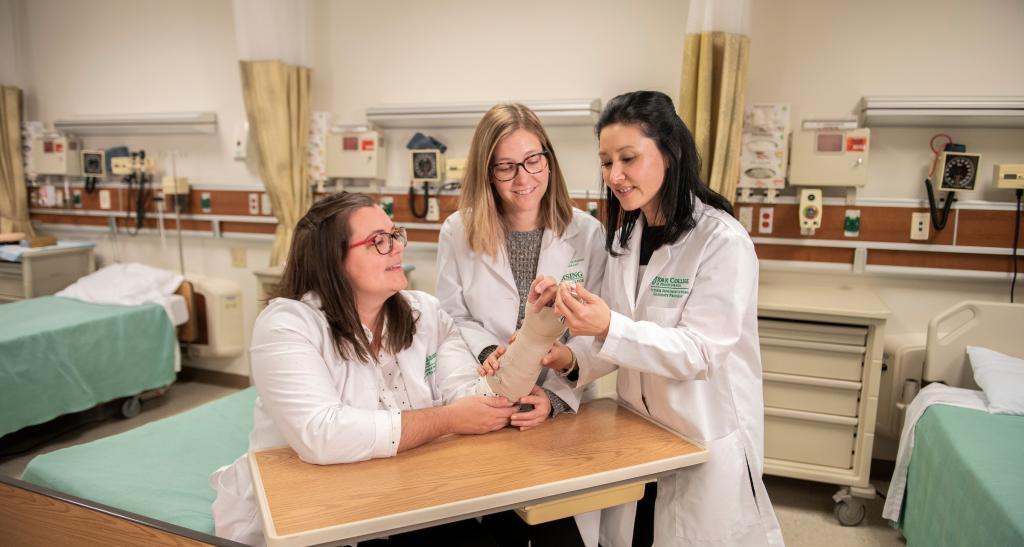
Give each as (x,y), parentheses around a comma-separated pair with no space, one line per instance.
(325,407)
(686,349)
(480,293)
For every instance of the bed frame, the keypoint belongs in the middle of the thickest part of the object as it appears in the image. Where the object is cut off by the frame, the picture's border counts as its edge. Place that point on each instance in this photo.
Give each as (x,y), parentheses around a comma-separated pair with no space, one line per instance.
(33,515)
(995,325)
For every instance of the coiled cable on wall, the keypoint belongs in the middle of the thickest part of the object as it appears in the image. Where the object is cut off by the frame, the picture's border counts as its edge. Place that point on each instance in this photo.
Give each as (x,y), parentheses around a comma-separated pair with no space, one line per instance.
(1016,241)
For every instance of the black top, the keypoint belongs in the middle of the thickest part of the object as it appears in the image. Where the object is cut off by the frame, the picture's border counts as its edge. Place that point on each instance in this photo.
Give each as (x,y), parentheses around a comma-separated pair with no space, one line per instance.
(652,238)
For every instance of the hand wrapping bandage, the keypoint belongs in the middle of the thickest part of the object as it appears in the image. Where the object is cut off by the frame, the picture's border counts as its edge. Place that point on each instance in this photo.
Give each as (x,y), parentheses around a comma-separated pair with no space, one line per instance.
(520,364)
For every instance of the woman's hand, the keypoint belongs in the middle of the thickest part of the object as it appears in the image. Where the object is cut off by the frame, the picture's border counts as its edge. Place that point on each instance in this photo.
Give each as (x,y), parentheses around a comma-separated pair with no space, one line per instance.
(559,357)
(476,415)
(584,312)
(491,365)
(542,292)
(541,410)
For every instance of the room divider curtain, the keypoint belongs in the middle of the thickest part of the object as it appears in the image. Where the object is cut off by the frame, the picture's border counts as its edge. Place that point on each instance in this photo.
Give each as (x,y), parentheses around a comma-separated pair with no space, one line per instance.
(715,56)
(13,194)
(277,103)
(273,38)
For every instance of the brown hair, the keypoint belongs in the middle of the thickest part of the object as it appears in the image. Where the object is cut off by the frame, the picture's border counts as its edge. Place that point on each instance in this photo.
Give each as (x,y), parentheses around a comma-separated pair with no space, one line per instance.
(316,263)
(480,206)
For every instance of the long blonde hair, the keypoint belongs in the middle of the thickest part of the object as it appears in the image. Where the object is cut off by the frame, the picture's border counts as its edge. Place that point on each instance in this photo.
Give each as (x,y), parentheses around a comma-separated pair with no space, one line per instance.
(480,205)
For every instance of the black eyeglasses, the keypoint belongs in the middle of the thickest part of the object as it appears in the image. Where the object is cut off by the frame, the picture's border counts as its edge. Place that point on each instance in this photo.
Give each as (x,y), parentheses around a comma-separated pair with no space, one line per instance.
(384,242)
(507,170)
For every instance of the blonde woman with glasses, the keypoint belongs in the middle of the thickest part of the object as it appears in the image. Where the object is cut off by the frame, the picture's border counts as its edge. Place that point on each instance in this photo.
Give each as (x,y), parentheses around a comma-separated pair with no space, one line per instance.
(515,224)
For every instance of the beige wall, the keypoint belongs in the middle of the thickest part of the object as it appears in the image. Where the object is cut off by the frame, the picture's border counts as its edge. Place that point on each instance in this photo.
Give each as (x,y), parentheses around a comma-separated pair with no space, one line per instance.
(821,57)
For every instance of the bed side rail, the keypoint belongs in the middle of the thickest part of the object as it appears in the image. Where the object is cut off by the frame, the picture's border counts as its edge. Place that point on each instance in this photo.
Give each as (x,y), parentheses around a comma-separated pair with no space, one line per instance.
(994,325)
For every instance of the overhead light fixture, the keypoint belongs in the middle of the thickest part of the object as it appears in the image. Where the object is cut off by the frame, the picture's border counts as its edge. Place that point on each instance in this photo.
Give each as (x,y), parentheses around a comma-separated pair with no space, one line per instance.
(582,112)
(889,111)
(204,123)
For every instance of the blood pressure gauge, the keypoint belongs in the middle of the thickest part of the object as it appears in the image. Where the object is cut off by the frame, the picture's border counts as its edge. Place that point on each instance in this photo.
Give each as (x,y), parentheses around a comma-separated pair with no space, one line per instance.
(959,171)
(427,166)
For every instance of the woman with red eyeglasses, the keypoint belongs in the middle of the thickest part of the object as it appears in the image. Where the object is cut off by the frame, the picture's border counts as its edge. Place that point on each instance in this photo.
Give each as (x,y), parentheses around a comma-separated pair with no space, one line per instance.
(349,366)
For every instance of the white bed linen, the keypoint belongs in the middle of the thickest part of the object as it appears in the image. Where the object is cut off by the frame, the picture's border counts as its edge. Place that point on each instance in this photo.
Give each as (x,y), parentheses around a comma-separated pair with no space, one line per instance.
(933,394)
(124,284)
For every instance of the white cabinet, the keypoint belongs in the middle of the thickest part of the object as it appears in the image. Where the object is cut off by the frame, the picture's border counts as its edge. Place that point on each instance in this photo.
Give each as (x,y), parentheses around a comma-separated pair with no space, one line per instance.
(821,352)
(43,271)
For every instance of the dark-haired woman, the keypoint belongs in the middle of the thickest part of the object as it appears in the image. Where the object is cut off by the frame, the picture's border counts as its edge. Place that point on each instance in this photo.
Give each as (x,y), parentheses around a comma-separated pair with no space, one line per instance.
(348,366)
(679,323)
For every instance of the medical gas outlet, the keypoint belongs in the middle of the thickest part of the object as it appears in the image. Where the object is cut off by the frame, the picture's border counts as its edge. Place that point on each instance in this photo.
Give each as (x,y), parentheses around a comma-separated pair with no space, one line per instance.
(810,211)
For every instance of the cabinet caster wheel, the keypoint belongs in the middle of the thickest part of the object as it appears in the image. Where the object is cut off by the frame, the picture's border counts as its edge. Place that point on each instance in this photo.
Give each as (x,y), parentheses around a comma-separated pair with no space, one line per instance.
(850,512)
(131,407)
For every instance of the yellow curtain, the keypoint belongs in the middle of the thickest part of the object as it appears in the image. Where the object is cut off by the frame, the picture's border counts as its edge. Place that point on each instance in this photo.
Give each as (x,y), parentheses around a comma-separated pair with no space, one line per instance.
(277,102)
(711,103)
(13,193)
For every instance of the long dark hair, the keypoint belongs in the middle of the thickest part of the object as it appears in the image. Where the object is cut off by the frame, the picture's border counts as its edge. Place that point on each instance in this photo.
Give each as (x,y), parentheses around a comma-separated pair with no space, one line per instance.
(316,263)
(655,115)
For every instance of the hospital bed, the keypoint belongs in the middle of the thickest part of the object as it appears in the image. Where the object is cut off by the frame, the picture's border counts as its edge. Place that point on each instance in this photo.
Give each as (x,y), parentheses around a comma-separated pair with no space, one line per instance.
(159,470)
(964,477)
(61,355)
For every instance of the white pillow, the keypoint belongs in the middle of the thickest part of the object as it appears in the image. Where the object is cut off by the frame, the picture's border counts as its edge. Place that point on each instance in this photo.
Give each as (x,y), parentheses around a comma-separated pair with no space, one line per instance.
(1001,377)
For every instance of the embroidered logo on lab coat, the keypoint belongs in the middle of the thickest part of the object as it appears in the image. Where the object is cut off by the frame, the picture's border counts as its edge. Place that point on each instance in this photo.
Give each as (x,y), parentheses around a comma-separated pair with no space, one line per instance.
(431,364)
(575,273)
(672,287)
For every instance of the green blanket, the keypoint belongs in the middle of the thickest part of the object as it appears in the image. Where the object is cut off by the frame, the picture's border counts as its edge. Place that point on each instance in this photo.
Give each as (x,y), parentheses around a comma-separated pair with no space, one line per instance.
(159,470)
(965,483)
(59,355)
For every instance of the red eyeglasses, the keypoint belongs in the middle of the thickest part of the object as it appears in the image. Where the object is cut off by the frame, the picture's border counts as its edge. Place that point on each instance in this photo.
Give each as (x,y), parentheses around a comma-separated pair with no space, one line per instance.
(384,242)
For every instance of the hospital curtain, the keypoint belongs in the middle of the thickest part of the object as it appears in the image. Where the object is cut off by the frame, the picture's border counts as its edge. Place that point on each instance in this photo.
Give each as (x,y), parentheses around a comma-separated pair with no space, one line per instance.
(277,103)
(715,56)
(13,194)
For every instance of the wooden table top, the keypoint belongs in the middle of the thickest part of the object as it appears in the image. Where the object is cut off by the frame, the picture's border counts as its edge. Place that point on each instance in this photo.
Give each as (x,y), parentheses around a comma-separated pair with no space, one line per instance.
(462,476)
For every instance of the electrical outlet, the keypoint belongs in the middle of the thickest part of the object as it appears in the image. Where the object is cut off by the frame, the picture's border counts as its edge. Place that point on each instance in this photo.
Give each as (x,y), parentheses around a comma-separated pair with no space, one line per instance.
(205,203)
(766,220)
(265,205)
(239,258)
(919,226)
(121,165)
(747,218)
(104,199)
(254,204)
(433,210)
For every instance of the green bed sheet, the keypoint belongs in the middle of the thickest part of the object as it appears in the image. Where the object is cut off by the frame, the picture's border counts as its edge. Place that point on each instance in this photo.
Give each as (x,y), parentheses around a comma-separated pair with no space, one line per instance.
(60,355)
(158,470)
(966,479)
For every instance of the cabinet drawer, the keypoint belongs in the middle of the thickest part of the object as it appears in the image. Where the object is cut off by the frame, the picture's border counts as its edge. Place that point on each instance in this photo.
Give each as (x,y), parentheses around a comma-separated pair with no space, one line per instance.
(11,285)
(812,359)
(811,394)
(848,335)
(809,438)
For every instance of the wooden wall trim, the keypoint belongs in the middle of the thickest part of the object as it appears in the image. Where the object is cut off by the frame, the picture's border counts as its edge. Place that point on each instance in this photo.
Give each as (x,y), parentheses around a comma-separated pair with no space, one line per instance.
(972,227)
